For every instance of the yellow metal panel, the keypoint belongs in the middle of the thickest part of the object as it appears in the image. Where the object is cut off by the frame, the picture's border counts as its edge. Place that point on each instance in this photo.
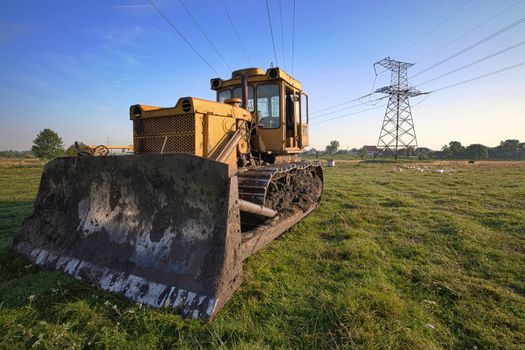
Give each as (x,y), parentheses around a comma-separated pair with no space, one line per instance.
(219,109)
(257,75)
(305,139)
(187,105)
(199,135)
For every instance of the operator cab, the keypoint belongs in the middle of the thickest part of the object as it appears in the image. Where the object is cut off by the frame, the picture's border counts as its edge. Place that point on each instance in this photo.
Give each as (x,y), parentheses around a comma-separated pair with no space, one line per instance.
(277,104)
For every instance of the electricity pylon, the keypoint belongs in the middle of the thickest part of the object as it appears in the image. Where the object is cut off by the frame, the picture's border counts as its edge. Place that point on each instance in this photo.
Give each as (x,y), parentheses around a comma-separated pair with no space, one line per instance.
(398,127)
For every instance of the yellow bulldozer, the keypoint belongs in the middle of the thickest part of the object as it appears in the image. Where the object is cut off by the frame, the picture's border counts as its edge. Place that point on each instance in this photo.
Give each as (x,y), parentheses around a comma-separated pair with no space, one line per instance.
(209,184)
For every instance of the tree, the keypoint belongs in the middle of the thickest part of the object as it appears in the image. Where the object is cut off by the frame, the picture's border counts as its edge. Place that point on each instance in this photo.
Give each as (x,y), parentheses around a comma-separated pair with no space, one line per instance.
(48,145)
(477,152)
(509,149)
(454,149)
(332,147)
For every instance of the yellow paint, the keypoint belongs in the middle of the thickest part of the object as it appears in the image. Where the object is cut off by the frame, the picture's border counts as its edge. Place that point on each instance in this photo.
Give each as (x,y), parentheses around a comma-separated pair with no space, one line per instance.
(203,127)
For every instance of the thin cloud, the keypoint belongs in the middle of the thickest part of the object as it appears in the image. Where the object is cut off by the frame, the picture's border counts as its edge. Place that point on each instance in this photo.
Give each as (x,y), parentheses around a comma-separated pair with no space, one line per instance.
(133,9)
(10,30)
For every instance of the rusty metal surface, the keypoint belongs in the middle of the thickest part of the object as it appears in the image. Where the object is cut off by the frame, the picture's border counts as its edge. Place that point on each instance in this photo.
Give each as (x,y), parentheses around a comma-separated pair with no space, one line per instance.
(253,183)
(257,209)
(259,238)
(292,189)
(160,229)
(163,230)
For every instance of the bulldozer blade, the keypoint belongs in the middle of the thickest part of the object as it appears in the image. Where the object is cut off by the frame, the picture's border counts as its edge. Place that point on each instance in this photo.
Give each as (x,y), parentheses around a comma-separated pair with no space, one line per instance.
(162,230)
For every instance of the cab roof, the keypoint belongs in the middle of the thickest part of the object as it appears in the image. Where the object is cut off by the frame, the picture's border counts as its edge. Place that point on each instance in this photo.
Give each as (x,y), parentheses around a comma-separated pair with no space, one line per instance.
(255,75)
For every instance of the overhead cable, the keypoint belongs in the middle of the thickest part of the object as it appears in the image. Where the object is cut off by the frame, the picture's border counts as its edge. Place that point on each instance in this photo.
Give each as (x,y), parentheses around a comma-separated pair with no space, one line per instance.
(437,26)
(182,36)
(473,63)
(205,34)
(469,31)
(369,103)
(341,104)
(470,47)
(293,34)
(271,32)
(351,114)
(481,76)
(235,31)
(282,34)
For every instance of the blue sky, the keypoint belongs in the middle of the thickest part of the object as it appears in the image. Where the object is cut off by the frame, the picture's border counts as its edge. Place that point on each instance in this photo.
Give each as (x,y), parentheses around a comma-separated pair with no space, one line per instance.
(77,66)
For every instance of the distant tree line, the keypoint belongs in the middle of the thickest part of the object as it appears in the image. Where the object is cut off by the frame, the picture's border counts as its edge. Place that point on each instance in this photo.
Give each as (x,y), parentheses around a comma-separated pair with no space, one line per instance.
(16,154)
(48,145)
(506,150)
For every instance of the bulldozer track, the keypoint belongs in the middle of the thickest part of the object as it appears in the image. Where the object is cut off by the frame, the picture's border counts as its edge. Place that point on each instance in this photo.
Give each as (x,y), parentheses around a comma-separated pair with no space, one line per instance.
(257,185)
(254,182)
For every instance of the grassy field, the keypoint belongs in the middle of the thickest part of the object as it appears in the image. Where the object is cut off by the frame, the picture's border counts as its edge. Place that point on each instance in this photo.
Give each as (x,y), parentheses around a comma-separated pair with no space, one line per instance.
(399,256)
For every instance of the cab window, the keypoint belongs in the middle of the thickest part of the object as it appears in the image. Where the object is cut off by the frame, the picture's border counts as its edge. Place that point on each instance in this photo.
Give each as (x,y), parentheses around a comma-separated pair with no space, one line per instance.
(224,95)
(268,106)
(237,93)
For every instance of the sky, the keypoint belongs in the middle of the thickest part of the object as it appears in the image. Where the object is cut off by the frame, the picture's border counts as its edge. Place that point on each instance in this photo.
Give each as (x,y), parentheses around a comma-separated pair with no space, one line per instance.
(77,66)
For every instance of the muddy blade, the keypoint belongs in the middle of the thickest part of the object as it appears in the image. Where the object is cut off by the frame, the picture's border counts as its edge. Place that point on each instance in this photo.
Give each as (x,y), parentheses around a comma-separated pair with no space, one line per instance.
(160,229)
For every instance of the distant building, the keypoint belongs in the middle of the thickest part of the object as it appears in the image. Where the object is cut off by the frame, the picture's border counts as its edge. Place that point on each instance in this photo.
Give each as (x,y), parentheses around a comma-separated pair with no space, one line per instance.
(423,150)
(311,152)
(371,150)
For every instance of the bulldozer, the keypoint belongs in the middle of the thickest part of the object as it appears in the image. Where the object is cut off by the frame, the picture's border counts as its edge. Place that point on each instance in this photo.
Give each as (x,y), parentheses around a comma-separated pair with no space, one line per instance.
(209,183)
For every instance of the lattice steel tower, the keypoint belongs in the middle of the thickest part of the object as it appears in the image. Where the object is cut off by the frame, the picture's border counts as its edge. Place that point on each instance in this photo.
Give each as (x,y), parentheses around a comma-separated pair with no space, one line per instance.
(397,130)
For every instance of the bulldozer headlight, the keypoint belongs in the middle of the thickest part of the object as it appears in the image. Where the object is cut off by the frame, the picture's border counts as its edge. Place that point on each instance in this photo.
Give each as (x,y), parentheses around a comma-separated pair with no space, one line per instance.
(216,83)
(137,112)
(186,105)
(273,73)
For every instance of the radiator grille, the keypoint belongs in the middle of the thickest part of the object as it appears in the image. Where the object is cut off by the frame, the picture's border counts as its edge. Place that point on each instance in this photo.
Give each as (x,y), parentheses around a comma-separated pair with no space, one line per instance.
(175,133)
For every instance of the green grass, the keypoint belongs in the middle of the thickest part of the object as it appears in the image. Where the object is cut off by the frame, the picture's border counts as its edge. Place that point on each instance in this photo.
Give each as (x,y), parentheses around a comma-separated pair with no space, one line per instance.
(402,260)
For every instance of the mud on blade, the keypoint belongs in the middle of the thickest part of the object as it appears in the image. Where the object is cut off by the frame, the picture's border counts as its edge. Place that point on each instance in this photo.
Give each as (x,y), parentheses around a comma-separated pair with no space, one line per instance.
(160,229)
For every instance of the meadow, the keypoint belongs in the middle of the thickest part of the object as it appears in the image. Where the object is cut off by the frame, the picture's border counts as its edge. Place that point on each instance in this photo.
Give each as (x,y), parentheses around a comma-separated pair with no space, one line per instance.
(408,255)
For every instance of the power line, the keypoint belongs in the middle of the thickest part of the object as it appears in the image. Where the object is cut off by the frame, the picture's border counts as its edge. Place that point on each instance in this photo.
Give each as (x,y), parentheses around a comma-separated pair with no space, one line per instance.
(423,99)
(473,63)
(464,4)
(205,35)
(371,103)
(336,111)
(469,31)
(282,33)
(182,36)
(430,80)
(236,33)
(333,84)
(348,115)
(293,34)
(474,45)
(519,64)
(271,32)
(333,106)
(481,76)
(436,26)
(487,38)
(340,104)
(353,100)
(473,79)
